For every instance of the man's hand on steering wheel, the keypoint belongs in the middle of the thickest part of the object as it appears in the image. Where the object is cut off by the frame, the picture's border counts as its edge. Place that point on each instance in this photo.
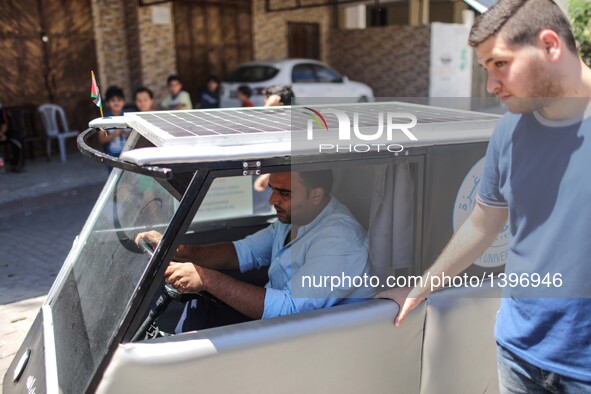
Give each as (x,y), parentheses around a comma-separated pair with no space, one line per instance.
(152,238)
(185,277)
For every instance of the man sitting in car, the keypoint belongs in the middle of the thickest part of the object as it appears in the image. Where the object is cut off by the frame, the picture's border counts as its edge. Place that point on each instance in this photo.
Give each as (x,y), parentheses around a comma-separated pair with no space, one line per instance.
(315,240)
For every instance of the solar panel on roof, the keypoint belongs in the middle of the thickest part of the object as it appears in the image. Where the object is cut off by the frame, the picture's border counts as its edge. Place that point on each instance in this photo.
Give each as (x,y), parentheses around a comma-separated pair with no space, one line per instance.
(213,127)
(263,125)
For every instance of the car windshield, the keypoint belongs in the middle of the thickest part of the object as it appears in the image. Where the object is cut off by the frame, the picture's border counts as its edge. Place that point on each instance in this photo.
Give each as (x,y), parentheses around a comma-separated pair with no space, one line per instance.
(90,299)
(253,73)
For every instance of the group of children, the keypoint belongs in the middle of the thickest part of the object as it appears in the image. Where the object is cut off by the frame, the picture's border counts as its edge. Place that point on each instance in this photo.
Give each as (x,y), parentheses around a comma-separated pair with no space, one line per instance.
(177,99)
(114,140)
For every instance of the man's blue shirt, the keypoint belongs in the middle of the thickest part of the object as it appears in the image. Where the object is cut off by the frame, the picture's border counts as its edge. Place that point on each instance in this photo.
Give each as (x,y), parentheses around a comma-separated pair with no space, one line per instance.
(541,171)
(332,245)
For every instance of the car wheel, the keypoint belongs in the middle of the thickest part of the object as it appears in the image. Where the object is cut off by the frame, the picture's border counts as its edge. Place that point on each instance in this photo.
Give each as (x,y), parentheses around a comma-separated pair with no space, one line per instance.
(363,99)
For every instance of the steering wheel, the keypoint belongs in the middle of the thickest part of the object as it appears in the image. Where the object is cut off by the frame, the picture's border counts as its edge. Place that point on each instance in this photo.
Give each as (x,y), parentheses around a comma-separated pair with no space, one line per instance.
(145,247)
(125,218)
(167,294)
(167,289)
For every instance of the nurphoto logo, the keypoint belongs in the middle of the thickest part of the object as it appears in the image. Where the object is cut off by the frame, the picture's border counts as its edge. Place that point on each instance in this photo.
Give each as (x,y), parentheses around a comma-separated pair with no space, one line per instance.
(380,133)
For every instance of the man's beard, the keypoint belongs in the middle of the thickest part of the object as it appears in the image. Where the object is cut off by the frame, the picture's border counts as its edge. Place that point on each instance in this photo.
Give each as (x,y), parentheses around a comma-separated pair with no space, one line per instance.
(541,90)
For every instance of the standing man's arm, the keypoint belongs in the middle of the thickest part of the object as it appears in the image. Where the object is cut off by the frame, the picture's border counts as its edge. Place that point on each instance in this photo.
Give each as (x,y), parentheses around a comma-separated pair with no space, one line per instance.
(468,243)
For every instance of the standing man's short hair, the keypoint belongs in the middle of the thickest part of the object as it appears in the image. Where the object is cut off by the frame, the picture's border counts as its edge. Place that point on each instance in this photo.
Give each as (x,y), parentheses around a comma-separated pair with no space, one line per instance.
(520,21)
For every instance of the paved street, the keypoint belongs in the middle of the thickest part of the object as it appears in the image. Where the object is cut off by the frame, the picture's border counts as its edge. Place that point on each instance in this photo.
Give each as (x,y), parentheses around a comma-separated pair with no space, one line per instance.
(34,247)
(41,212)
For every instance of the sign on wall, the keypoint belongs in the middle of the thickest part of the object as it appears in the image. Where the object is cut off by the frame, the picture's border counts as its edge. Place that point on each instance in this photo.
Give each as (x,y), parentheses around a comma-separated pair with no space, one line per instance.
(450,72)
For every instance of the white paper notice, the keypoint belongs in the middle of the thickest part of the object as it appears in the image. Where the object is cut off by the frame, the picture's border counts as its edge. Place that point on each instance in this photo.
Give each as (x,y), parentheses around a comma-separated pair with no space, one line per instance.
(161,15)
(227,198)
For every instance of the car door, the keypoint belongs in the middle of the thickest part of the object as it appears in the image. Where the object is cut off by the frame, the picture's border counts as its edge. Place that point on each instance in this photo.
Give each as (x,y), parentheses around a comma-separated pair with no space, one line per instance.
(331,82)
(303,80)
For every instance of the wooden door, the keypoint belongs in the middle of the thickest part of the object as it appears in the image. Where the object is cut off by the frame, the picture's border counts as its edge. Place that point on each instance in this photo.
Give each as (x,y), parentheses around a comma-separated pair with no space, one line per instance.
(304,40)
(48,50)
(211,39)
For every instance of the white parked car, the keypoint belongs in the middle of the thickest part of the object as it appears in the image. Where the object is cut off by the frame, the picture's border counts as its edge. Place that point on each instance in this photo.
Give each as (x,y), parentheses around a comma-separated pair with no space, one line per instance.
(307,77)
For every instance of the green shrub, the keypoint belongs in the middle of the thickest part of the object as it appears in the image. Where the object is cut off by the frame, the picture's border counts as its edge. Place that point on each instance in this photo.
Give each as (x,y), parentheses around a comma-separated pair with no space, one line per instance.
(580,14)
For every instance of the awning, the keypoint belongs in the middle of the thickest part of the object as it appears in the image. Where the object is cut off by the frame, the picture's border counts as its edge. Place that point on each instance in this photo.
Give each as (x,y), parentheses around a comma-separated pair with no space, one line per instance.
(480,5)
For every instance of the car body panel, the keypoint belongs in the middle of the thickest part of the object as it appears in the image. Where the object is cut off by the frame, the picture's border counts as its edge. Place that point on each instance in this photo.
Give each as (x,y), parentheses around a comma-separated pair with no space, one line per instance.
(33,375)
(347,349)
(295,353)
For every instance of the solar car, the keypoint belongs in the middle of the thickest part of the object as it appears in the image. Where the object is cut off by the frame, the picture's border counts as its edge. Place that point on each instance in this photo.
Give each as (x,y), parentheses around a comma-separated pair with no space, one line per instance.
(409,174)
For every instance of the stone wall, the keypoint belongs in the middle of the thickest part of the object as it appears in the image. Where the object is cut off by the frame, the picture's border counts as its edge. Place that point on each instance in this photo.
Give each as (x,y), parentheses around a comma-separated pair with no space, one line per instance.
(393,60)
(270,29)
(132,49)
(157,48)
(111,44)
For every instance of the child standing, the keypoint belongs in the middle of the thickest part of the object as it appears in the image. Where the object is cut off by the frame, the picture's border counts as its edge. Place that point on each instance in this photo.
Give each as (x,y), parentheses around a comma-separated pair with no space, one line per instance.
(244,93)
(114,140)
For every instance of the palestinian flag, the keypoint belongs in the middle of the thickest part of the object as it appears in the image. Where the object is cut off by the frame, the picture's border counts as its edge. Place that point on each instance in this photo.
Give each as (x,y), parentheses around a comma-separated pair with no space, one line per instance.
(94,92)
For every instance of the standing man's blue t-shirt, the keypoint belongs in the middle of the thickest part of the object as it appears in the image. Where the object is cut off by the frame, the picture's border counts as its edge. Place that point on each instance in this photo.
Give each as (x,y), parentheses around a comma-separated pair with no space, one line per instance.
(541,171)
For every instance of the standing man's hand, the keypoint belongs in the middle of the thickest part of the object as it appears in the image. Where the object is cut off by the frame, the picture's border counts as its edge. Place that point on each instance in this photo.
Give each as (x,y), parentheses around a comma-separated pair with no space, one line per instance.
(185,277)
(401,297)
(409,304)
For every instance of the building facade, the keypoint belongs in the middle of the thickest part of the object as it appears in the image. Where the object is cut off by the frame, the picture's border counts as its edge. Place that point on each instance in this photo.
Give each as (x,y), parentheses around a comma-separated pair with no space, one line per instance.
(50,46)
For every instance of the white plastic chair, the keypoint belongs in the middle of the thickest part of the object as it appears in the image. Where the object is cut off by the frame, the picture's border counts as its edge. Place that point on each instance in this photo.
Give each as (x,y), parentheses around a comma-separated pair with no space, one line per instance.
(49,115)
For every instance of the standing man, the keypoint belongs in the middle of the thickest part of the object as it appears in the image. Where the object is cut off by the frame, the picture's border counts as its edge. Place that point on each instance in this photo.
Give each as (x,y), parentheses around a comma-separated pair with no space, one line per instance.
(537,173)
